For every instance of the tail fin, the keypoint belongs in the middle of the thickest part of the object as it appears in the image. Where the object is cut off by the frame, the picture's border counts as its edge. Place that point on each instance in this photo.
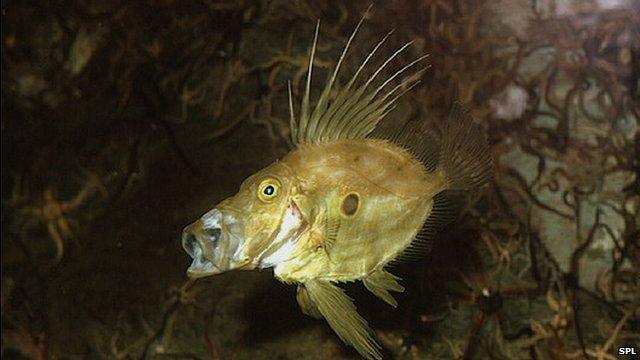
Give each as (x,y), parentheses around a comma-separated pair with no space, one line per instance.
(464,152)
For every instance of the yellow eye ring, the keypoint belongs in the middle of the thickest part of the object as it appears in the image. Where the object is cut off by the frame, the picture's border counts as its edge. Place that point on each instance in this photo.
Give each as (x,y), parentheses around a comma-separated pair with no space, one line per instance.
(268,189)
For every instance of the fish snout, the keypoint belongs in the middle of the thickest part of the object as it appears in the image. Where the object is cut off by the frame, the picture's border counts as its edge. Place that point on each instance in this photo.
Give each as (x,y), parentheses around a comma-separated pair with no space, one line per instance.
(201,244)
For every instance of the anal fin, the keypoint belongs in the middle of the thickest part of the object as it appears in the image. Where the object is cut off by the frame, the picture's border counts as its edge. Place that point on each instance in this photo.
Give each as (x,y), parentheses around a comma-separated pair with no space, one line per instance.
(380,282)
(340,312)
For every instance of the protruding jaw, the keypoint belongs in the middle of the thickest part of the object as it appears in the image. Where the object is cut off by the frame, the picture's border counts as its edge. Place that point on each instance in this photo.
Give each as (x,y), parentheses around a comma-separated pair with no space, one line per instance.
(209,244)
(241,229)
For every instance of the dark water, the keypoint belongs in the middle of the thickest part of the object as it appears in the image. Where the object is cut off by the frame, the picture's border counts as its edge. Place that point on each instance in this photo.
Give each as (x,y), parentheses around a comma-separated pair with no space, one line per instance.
(123,122)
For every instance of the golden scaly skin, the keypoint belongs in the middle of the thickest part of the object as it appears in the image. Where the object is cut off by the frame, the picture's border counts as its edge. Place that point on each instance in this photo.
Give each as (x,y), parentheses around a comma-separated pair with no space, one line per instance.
(395,196)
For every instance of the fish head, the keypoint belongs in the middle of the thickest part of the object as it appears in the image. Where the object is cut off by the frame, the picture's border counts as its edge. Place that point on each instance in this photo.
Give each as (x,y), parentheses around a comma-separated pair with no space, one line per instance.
(235,232)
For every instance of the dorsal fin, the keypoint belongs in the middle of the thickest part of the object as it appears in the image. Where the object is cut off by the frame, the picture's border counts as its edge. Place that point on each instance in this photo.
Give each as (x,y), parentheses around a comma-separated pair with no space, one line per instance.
(421,142)
(462,158)
(465,157)
(354,111)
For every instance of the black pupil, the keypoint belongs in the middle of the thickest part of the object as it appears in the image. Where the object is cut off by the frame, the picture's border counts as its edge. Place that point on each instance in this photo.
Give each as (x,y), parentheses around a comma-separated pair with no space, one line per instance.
(269,190)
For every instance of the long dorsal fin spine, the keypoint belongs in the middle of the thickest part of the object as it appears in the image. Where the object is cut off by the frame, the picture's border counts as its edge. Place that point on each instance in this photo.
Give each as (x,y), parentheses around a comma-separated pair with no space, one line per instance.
(344,95)
(341,114)
(348,111)
(399,72)
(292,117)
(359,124)
(321,107)
(405,85)
(384,114)
(361,105)
(366,60)
(304,111)
(384,64)
(355,110)
(347,126)
(366,111)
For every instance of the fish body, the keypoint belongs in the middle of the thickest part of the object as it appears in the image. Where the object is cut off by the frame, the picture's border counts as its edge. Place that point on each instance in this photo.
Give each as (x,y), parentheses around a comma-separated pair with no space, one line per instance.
(342,206)
(355,181)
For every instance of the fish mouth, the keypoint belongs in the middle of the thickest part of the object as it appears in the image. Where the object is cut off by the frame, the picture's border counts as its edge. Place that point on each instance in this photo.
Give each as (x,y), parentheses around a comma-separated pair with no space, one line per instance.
(194,246)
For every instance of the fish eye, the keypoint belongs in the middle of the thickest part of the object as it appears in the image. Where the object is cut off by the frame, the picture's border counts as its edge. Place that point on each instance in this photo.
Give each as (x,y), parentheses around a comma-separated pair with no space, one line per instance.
(268,189)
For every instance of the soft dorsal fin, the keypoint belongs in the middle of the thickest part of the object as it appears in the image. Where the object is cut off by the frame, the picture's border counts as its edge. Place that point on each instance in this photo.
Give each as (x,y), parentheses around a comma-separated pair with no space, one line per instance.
(461,155)
(355,110)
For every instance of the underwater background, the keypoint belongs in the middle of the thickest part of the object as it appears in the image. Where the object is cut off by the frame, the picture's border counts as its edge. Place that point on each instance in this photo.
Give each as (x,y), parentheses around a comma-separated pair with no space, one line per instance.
(123,121)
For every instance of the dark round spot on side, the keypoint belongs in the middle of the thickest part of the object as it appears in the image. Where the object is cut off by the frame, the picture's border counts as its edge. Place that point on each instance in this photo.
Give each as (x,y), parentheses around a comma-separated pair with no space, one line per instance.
(350,204)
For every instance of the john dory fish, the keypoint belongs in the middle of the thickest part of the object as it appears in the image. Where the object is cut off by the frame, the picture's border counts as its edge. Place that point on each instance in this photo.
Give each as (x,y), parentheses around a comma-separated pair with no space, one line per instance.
(342,205)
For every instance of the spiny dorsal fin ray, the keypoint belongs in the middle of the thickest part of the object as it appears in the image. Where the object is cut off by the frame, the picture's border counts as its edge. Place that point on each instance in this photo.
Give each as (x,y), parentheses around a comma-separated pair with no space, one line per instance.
(354,97)
(357,103)
(350,113)
(321,107)
(341,314)
(329,118)
(380,282)
(293,124)
(366,119)
(301,127)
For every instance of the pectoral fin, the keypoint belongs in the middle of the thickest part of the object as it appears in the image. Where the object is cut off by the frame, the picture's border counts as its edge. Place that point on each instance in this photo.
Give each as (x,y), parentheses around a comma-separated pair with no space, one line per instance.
(380,283)
(327,229)
(332,224)
(341,314)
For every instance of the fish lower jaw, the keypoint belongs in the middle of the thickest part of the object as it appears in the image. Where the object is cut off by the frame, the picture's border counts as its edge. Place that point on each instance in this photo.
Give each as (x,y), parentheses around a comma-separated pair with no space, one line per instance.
(201,268)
